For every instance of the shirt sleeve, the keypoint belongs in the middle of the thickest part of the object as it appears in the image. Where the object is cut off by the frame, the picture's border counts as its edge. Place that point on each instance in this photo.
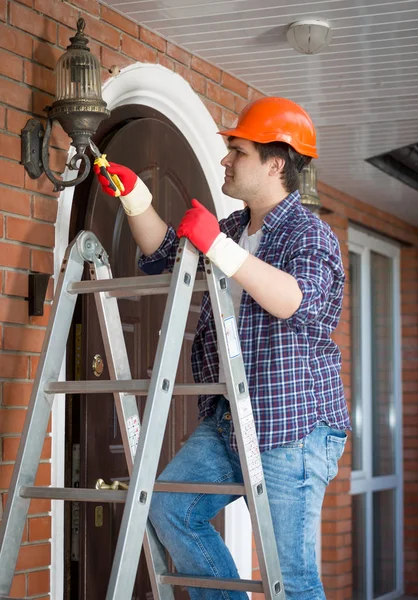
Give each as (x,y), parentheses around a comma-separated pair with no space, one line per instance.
(163,258)
(315,263)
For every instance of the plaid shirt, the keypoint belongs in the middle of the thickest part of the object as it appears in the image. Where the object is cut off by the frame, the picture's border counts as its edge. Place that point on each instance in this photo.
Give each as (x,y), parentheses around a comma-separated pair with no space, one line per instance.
(292,365)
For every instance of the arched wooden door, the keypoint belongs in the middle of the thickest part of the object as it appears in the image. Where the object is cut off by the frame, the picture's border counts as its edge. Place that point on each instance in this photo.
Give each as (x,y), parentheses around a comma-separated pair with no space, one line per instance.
(162,157)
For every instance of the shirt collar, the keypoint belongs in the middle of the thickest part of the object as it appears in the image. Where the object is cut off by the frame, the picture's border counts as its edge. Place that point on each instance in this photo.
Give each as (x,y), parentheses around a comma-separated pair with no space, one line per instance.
(277,215)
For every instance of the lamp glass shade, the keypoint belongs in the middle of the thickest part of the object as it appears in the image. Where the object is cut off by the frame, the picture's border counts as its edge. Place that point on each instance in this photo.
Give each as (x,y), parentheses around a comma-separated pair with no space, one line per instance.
(308,179)
(77,76)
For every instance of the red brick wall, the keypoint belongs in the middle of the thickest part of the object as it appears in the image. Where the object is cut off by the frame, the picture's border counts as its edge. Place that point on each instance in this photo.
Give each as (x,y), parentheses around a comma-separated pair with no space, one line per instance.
(33,34)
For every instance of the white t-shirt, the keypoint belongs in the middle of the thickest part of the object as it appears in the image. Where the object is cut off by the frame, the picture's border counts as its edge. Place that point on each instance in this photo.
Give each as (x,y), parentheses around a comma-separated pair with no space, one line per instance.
(250,243)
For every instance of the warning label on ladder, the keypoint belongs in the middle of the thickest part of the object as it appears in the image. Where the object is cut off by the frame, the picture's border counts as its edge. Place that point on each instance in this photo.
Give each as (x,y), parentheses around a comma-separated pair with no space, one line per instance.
(133,433)
(250,441)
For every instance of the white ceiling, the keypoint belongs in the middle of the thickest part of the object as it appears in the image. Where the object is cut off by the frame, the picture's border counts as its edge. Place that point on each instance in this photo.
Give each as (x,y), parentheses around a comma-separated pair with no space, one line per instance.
(361,92)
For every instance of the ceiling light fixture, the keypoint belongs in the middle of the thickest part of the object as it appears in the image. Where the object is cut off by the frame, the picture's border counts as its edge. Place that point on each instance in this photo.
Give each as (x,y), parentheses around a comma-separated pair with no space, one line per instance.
(309,36)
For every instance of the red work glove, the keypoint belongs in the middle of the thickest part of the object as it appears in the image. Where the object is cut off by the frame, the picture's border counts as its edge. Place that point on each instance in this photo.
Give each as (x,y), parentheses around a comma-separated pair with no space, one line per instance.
(136,196)
(127,177)
(201,227)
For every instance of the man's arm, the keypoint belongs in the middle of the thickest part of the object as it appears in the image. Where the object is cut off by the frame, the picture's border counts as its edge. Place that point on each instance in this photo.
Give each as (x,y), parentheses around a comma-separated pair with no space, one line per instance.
(276,291)
(147,228)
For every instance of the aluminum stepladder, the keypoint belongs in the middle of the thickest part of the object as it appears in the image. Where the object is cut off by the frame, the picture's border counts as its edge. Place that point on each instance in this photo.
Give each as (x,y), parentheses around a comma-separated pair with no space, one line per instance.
(142,444)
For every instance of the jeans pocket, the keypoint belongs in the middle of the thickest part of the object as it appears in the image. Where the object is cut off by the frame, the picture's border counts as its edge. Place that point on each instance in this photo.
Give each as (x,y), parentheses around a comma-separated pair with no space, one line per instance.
(335,448)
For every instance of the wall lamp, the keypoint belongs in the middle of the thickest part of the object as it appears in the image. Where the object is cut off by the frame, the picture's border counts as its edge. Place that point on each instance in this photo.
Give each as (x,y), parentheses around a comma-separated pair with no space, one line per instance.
(308,182)
(78,107)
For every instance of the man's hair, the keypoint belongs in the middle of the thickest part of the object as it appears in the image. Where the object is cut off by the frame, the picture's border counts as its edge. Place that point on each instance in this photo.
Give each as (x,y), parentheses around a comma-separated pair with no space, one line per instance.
(293,162)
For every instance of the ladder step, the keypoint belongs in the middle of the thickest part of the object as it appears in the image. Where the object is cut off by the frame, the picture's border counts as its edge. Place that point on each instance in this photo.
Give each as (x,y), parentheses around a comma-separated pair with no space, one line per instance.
(125,287)
(243,585)
(137,387)
(119,496)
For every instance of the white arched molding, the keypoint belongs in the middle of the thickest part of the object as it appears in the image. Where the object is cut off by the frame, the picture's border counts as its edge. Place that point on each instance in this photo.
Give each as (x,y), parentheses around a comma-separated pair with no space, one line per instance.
(161,89)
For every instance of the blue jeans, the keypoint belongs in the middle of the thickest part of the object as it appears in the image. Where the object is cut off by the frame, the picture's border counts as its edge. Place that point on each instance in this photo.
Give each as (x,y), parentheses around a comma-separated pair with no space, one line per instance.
(296,476)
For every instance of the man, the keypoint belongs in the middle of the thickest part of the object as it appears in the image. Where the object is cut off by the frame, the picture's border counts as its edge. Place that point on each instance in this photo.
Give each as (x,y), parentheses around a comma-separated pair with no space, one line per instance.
(286,279)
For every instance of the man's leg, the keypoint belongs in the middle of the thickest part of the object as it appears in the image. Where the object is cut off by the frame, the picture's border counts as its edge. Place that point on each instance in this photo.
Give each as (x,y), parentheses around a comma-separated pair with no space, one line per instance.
(297,475)
(181,521)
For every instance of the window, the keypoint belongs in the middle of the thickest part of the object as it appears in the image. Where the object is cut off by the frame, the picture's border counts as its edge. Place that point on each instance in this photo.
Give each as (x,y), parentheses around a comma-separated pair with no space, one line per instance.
(376,401)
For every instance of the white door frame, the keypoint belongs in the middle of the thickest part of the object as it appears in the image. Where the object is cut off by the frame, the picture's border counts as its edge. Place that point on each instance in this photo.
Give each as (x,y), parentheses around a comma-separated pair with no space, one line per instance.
(362,481)
(159,88)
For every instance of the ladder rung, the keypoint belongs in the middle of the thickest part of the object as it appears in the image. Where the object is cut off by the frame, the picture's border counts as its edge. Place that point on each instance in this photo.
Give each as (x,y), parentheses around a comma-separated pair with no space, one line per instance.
(243,585)
(93,495)
(149,285)
(138,387)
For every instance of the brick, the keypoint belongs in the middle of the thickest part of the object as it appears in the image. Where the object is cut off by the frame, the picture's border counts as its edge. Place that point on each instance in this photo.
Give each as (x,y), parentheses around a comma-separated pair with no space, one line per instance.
(91,6)
(33,366)
(39,529)
(30,232)
(39,77)
(240,104)
(102,32)
(42,262)
(37,507)
(179,54)
(138,50)
(2,117)
(63,13)
(11,173)
(119,21)
(16,120)
(16,284)
(14,201)
(33,557)
(11,446)
(166,62)
(18,589)
(228,118)
(215,111)
(42,321)
(16,41)
(11,421)
(40,101)
(10,146)
(16,394)
(13,311)
(197,82)
(110,58)
(220,95)
(42,185)
(16,95)
(45,54)
(152,39)
(23,339)
(206,69)
(3,10)
(235,85)
(44,209)
(11,65)
(28,20)
(38,582)
(14,255)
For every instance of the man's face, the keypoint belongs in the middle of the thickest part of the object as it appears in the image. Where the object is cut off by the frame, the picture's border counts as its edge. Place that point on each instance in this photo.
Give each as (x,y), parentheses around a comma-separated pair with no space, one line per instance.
(246,177)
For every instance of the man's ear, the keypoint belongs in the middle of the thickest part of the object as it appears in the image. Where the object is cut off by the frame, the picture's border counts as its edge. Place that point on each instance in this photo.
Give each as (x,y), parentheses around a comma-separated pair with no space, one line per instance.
(276,166)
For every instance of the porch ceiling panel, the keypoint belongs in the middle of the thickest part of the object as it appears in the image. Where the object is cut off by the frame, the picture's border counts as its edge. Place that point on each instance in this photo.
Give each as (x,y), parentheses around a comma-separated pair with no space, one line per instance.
(362,91)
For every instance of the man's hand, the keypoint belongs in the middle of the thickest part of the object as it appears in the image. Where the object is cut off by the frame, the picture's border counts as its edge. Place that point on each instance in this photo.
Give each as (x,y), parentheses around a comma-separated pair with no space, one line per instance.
(201,227)
(136,197)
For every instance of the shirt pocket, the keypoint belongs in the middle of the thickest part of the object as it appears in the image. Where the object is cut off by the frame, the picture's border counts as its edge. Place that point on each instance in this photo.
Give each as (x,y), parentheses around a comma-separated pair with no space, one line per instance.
(335,448)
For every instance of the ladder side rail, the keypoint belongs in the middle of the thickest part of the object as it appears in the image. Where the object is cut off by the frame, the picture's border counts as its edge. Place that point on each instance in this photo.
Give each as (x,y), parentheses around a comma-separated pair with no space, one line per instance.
(247,442)
(139,495)
(126,406)
(39,410)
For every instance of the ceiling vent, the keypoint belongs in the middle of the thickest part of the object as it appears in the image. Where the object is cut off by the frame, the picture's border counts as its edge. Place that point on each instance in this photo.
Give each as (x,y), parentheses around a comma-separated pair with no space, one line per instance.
(401,163)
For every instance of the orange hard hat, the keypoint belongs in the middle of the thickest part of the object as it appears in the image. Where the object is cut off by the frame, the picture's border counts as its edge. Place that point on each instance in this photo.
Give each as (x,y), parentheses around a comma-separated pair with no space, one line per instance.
(276,120)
